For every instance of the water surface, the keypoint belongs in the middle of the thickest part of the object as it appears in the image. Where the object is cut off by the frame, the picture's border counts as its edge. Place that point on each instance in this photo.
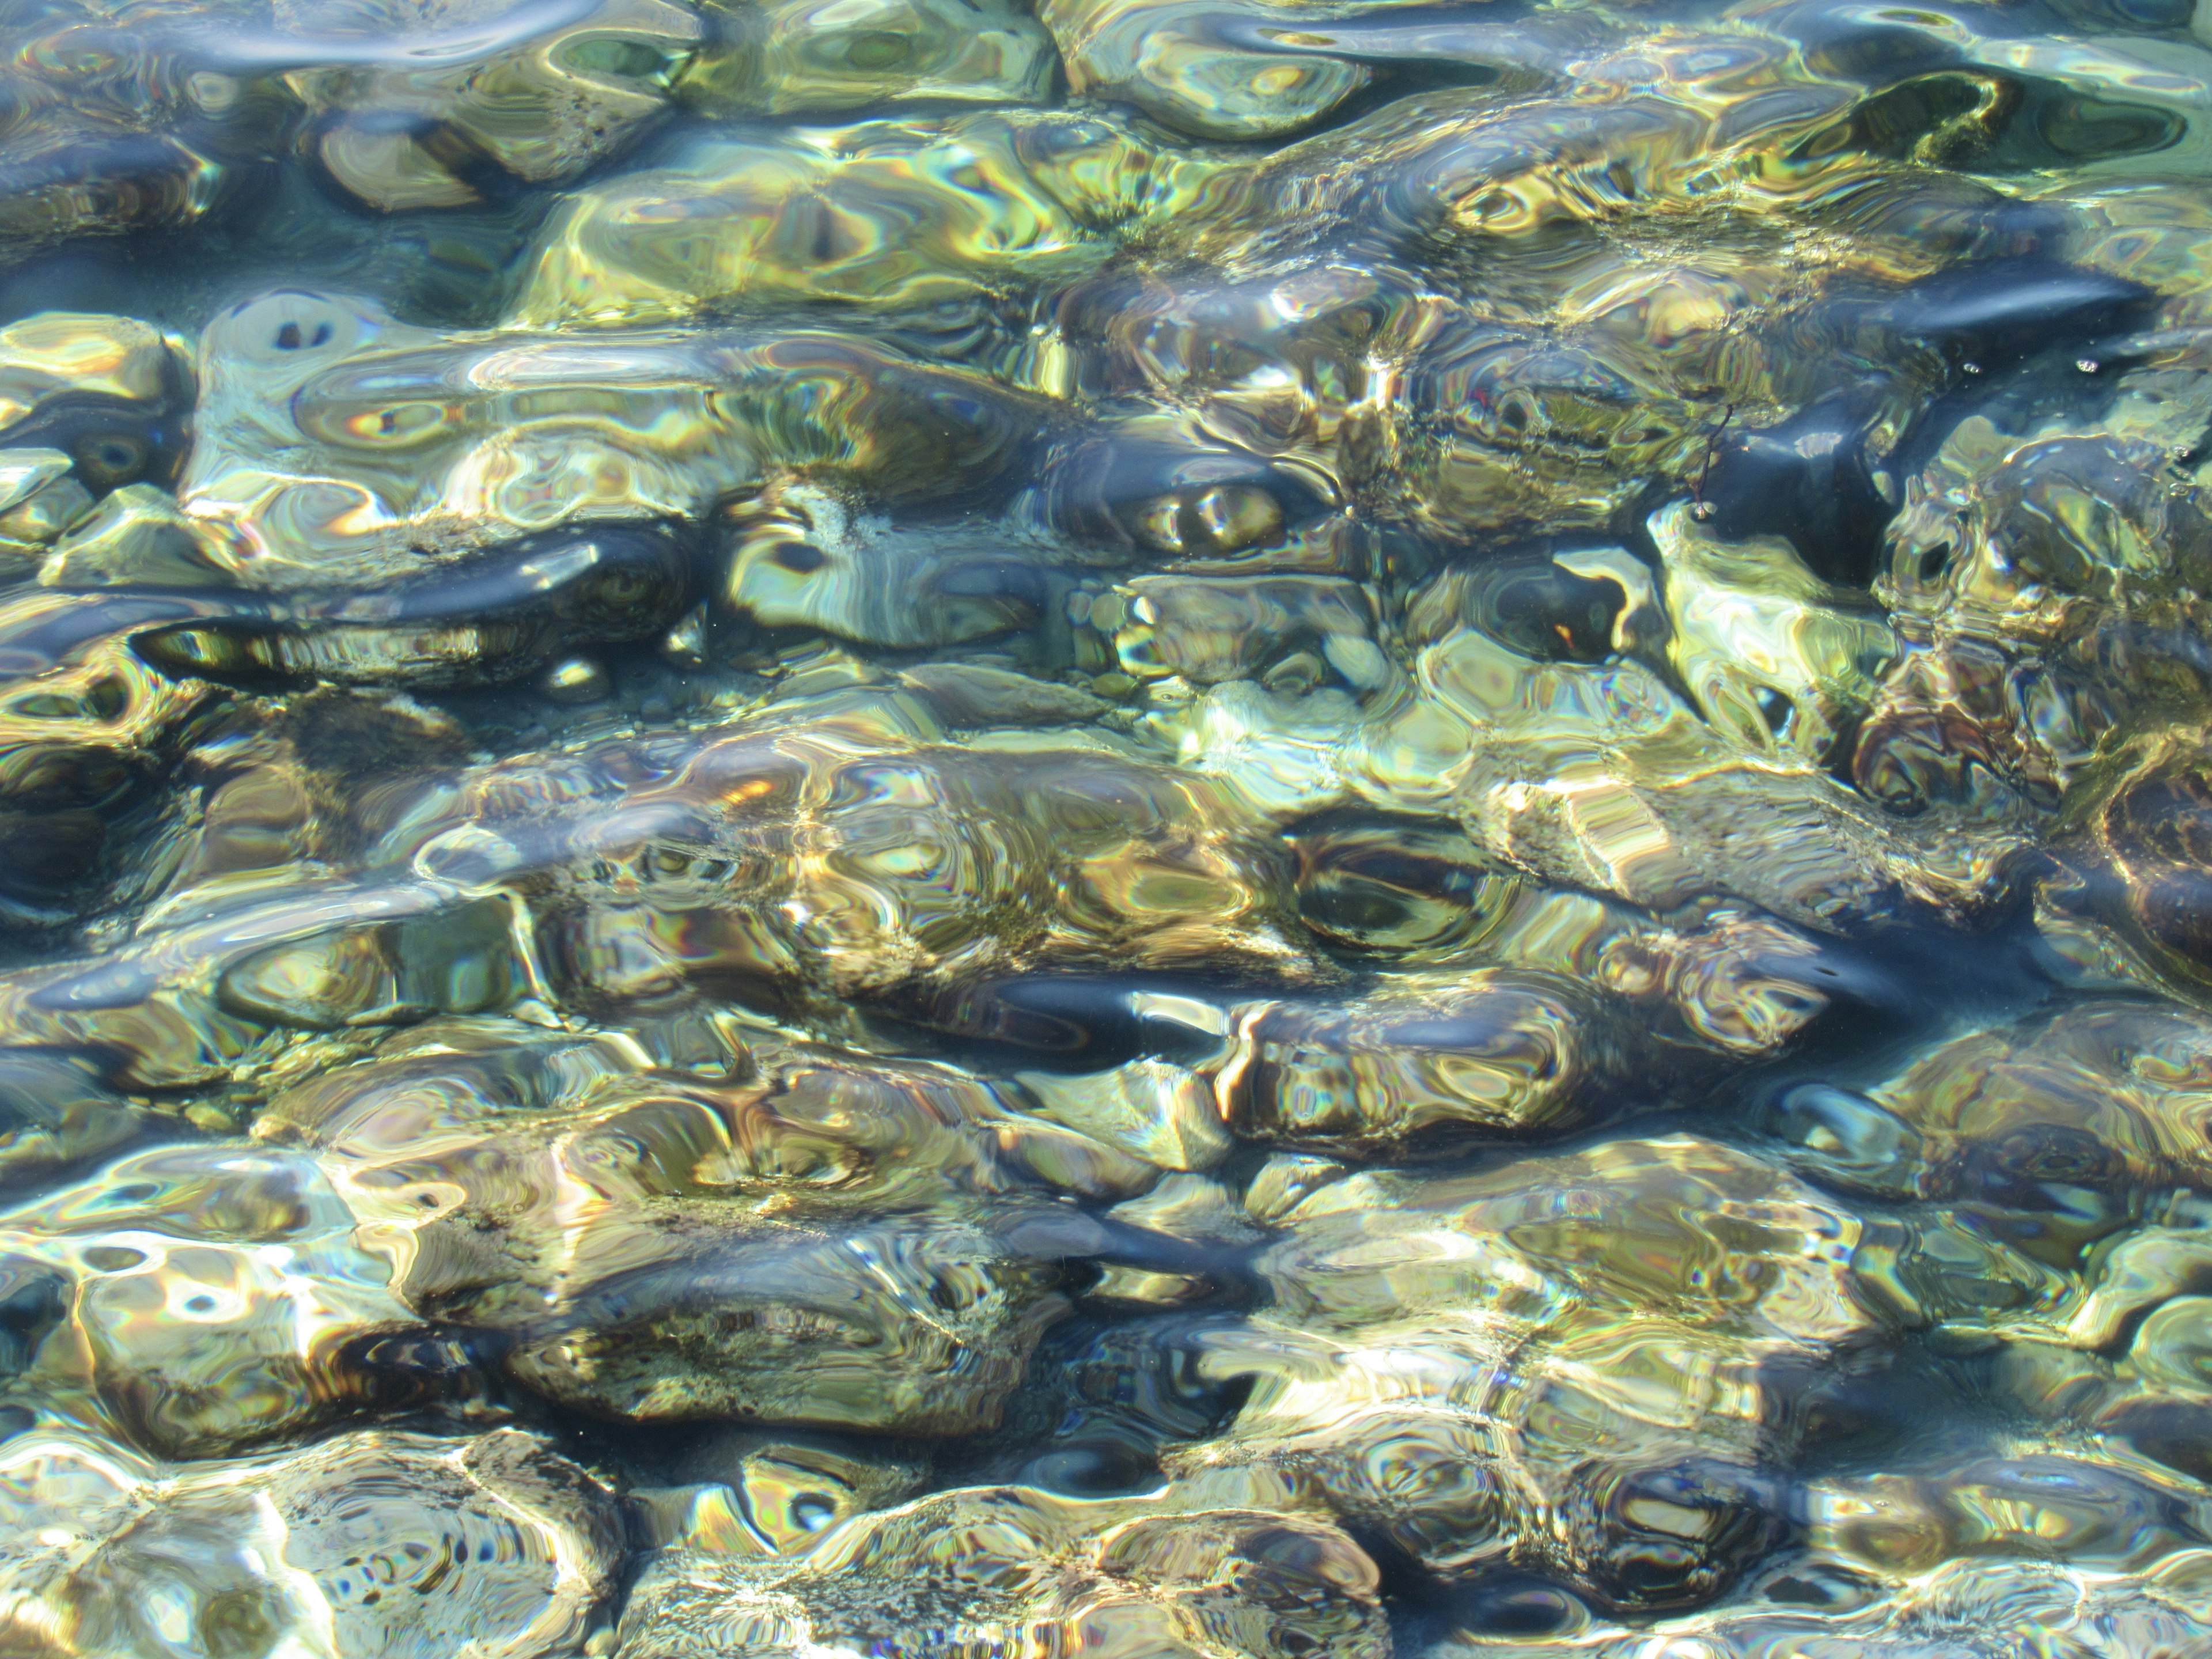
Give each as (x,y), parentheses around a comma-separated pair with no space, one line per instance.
(915,829)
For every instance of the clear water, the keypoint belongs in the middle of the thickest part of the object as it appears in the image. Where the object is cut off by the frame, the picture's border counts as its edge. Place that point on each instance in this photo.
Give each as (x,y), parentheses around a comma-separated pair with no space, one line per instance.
(895,828)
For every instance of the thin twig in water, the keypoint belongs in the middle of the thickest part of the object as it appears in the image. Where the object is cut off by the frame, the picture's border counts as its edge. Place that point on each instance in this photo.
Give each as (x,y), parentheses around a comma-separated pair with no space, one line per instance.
(1698,508)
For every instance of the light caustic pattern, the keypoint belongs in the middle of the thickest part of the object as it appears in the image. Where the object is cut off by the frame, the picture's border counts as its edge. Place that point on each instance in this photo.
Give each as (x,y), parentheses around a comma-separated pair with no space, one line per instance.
(1160,828)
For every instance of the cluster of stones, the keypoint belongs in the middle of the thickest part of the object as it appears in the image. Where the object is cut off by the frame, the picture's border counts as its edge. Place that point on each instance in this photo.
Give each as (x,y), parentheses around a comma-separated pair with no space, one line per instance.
(1108,830)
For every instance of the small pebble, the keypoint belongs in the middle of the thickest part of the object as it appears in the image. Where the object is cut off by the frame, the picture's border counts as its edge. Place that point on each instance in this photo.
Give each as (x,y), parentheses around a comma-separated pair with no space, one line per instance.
(574,680)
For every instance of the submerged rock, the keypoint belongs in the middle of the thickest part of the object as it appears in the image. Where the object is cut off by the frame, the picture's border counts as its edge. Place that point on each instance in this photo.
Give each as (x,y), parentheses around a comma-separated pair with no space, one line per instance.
(110,392)
(1963,1609)
(335,447)
(1579,1366)
(882,217)
(801,557)
(403,107)
(539,93)
(2047,584)
(78,178)
(201,1300)
(805,57)
(808,1249)
(1602,775)
(56,1112)
(2052,1134)
(1211,71)
(2133,854)
(977,1565)
(652,875)
(1489,1051)
(486,620)
(368,1544)
(86,726)
(928,880)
